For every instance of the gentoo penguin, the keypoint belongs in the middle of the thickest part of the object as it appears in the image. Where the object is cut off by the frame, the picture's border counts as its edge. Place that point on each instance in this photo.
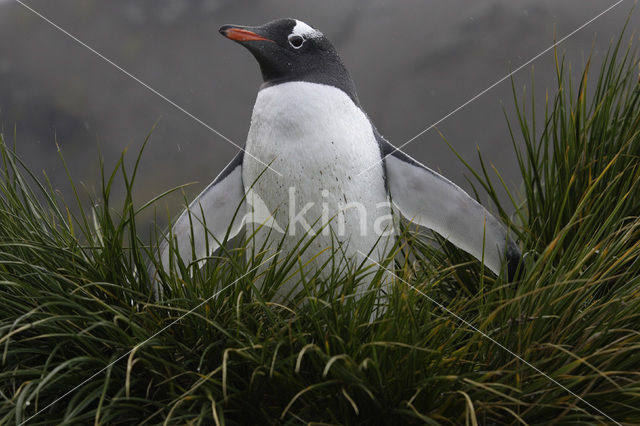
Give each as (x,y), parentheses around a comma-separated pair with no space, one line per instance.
(308,161)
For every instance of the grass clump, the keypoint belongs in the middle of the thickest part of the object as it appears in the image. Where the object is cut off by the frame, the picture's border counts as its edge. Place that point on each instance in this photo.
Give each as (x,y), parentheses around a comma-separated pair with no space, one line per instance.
(82,340)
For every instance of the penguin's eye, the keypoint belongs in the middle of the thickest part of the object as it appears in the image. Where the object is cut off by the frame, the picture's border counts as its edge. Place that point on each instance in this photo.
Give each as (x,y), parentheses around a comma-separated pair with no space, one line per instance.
(296,41)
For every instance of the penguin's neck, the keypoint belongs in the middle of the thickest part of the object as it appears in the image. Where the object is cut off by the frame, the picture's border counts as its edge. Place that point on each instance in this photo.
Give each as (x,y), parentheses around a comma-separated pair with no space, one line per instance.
(331,73)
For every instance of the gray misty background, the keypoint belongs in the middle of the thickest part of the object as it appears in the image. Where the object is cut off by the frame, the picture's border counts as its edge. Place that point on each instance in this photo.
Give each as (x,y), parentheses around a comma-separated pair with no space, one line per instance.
(413,62)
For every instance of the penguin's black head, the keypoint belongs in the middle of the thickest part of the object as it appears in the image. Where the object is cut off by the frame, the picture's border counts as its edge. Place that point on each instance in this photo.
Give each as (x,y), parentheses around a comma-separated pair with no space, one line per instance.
(290,50)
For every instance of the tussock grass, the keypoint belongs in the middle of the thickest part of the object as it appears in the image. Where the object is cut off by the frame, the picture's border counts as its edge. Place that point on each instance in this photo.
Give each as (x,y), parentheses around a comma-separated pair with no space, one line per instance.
(75,301)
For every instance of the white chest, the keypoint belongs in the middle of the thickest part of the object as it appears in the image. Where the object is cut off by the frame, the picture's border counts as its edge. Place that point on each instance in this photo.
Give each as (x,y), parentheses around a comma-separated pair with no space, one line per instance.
(320,142)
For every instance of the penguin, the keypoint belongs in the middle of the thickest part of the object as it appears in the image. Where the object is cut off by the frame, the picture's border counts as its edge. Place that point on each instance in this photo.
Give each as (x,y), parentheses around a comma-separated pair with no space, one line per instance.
(312,157)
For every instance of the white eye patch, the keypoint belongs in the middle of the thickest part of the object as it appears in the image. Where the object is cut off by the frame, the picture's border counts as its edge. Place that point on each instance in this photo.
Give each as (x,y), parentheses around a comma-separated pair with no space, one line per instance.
(305,31)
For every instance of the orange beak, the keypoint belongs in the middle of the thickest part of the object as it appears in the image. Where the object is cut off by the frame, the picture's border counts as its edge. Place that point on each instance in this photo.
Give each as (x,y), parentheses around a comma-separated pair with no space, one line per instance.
(240,34)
